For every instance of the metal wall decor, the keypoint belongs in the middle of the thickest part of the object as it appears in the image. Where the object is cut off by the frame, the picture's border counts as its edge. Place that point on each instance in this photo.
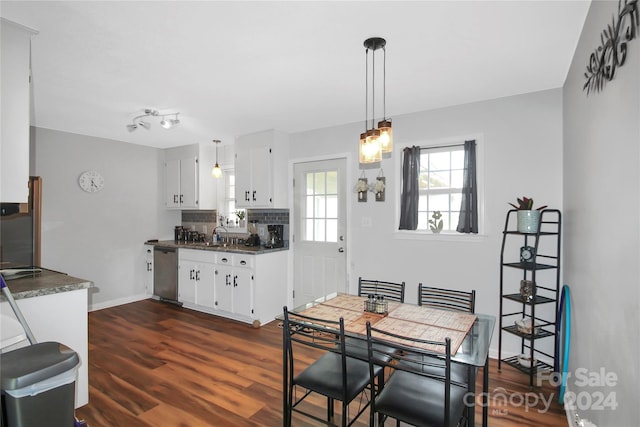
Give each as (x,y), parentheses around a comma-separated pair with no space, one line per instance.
(361,188)
(612,52)
(380,186)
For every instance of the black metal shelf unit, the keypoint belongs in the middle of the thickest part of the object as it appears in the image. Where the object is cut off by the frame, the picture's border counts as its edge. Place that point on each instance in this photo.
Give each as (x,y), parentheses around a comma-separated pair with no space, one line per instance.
(515,306)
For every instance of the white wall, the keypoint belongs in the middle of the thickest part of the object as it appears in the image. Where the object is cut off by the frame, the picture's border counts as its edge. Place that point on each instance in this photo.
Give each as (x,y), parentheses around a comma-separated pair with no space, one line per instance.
(522,151)
(100,236)
(602,233)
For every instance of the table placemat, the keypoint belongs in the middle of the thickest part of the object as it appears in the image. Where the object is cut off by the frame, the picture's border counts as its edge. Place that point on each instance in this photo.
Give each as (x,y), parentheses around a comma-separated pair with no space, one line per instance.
(355,303)
(421,331)
(431,316)
(323,311)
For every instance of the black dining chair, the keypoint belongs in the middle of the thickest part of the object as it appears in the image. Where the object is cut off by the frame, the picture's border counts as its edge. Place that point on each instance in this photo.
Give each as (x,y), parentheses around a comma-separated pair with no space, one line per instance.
(390,290)
(332,374)
(447,299)
(454,300)
(415,392)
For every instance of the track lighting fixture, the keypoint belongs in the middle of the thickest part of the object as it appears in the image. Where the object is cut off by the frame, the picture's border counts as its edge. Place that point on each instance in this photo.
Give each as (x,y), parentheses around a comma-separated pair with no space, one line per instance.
(148,112)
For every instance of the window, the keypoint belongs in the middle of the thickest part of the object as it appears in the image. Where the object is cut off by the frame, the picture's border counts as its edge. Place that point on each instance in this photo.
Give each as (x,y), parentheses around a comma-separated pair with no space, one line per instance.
(440,185)
(227,200)
(321,207)
(441,179)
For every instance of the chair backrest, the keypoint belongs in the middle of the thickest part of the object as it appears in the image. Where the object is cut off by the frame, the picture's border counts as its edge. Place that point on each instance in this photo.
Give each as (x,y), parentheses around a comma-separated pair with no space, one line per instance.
(390,290)
(447,299)
(321,334)
(430,360)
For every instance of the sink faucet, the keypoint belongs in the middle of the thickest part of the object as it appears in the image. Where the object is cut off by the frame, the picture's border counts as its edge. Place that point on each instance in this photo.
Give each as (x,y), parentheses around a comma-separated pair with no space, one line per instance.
(215,228)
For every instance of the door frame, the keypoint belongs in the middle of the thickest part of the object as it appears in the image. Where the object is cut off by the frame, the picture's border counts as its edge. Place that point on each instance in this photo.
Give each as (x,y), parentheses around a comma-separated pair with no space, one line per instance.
(292,225)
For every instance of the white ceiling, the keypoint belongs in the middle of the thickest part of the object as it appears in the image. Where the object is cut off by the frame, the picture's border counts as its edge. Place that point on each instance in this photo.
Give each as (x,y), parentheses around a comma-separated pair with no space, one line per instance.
(236,67)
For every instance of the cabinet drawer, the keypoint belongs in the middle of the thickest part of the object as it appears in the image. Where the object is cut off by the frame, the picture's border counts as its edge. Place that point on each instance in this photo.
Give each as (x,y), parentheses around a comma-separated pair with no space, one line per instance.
(243,261)
(196,255)
(224,258)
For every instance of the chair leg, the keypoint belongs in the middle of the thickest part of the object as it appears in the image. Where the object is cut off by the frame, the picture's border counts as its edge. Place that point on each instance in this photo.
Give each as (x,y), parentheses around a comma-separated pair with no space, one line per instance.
(345,412)
(329,409)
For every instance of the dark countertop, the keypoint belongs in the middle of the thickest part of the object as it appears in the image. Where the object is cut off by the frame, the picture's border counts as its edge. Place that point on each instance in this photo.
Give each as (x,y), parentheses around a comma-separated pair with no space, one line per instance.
(238,248)
(45,282)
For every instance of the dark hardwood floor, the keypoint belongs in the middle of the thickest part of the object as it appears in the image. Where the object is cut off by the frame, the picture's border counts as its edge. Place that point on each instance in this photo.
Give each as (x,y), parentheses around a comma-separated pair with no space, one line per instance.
(152,364)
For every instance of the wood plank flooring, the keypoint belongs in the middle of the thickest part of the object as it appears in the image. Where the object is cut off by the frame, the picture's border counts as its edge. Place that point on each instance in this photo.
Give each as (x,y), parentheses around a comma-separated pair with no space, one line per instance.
(153,364)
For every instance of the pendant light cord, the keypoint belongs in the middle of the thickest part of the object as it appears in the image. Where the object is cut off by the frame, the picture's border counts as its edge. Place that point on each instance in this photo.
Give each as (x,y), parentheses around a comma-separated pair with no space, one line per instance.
(384,84)
(373,89)
(366,89)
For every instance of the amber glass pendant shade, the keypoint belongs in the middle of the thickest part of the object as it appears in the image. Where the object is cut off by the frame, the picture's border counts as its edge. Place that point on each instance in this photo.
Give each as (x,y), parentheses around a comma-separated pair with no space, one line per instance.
(370,151)
(386,136)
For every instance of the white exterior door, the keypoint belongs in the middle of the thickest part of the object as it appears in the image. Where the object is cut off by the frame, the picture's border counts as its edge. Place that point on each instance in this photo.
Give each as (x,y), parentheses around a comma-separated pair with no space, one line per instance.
(320,230)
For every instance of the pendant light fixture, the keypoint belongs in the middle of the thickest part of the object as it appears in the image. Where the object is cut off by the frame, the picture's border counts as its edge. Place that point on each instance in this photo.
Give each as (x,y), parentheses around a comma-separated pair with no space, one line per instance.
(375,141)
(216,172)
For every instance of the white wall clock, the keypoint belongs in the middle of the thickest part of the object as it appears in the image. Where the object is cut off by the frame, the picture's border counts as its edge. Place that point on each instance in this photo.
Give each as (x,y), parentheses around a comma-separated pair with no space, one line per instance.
(91,181)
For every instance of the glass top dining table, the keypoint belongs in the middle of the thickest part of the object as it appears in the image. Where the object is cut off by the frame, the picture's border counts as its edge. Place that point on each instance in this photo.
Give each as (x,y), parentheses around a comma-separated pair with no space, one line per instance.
(473,351)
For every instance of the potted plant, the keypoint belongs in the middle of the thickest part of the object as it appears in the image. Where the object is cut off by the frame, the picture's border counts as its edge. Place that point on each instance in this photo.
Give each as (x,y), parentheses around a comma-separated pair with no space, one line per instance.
(240,214)
(528,217)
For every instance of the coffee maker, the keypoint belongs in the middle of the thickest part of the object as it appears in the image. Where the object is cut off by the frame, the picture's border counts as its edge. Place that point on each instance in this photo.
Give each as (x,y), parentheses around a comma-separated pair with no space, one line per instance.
(253,239)
(275,236)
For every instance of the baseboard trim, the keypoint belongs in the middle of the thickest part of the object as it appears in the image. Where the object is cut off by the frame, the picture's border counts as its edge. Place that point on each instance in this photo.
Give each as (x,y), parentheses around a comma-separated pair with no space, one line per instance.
(119,301)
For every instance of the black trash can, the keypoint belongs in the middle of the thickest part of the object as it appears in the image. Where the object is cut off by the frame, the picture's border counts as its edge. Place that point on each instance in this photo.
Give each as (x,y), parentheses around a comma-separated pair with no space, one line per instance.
(38,386)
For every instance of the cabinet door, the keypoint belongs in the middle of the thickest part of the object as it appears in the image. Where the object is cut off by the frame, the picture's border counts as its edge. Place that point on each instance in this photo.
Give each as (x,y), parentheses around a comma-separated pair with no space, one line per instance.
(172,183)
(243,178)
(14,127)
(224,288)
(205,285)
(189,182)
(242,291)
(261,178)
(187,282)
(148,270)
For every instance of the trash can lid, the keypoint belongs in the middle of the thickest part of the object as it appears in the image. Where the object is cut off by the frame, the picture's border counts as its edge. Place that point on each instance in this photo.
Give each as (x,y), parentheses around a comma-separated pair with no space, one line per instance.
(30,365)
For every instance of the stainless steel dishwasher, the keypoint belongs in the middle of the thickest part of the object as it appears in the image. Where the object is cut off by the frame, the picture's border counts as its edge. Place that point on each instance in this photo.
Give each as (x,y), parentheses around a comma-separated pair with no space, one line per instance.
(165,274)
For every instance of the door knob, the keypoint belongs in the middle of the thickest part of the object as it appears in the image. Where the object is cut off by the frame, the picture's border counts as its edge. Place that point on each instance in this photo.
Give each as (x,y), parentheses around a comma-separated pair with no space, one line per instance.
(340,250)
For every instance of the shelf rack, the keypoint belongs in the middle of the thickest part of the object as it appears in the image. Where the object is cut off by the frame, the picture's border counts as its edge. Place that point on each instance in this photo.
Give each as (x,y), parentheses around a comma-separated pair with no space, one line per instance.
(514,306)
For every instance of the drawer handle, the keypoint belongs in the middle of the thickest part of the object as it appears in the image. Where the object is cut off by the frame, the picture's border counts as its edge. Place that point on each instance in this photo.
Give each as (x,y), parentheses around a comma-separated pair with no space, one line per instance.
(224,260)
(243,262)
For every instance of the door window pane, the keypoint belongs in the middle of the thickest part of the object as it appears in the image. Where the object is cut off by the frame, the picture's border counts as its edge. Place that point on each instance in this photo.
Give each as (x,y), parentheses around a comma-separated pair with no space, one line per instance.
(321,206)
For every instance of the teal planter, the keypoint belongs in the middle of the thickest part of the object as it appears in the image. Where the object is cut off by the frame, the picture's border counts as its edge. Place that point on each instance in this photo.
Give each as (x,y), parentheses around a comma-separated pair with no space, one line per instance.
(528,221)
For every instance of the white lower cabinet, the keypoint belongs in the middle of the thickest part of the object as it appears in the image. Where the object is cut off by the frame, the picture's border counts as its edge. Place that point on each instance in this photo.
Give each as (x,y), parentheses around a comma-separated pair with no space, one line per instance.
(234,284)
(196,279)
(245,287)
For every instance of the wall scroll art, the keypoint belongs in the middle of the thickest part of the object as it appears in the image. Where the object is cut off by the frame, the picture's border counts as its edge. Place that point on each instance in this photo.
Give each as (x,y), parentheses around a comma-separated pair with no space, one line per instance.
(612,51)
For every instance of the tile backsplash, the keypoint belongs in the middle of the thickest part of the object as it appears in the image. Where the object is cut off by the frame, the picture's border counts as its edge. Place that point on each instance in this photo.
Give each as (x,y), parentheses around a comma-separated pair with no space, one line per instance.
(204,221)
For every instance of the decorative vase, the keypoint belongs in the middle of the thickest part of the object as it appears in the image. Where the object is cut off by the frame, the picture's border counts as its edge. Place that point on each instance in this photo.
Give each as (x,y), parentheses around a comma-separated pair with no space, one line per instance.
(528,221)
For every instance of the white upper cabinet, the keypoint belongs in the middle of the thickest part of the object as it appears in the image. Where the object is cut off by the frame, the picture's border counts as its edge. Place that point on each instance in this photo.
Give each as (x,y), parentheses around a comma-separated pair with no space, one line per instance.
(261,170)
(15,86)
(188,183)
